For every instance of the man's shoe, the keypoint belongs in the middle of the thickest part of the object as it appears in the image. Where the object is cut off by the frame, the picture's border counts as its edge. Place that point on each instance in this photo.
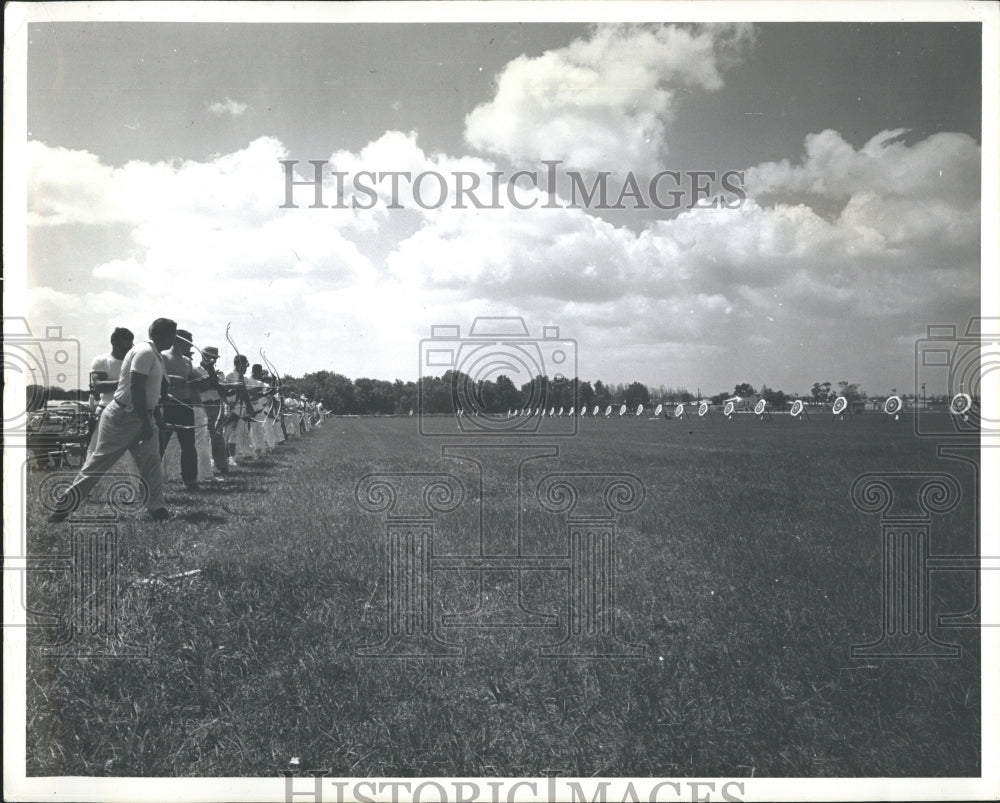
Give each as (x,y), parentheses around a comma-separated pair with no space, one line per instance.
(160,514)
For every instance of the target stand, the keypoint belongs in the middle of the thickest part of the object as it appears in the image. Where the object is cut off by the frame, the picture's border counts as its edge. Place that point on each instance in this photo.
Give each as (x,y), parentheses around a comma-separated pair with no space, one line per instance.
(799,410)
(841,408)
(589,503)
(892,407)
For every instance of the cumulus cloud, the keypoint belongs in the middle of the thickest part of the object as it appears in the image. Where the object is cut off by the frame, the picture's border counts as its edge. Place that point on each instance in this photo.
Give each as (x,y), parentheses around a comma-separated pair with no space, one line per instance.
(228,106)
(208,242)
(604,102)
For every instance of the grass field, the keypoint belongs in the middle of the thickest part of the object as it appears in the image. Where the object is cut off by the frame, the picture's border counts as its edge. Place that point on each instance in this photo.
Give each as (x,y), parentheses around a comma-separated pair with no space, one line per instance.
(747,574)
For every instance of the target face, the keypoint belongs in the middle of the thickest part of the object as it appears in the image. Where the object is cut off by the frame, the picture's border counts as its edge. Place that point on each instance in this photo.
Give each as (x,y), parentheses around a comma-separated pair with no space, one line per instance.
(596,411)
(570,411)
(760,407)
(797,407)
(608,411)
(961,404)
(638,410)
(703,409)
(839,405)
(561,410)
(621,410)
(552,411)
(728,409)
(658,410)
(893,405)
(679,410)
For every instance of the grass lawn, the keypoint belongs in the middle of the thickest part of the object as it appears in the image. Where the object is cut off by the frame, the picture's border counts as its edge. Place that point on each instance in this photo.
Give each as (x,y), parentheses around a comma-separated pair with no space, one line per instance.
(747,574)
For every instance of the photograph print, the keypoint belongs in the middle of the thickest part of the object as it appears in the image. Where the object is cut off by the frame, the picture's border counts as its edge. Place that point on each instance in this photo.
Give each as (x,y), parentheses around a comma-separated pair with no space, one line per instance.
(480,403)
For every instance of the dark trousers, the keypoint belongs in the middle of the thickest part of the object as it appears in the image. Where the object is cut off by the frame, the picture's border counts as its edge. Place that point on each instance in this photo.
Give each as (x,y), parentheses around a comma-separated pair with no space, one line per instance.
(181,417)
(216,431)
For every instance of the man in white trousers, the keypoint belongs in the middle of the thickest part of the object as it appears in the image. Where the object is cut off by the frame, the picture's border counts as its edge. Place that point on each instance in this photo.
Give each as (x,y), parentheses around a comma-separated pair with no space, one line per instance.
(127,425)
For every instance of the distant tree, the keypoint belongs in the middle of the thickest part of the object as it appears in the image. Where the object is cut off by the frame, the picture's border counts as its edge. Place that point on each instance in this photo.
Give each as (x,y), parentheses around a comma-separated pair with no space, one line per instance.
(848,390)
(821,392)
(744,389)
(636,394)
(507,396)
(586,394)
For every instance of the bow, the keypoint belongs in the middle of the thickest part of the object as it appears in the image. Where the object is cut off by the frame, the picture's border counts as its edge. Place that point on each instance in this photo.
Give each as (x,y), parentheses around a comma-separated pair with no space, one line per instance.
(277,379)
(244,395)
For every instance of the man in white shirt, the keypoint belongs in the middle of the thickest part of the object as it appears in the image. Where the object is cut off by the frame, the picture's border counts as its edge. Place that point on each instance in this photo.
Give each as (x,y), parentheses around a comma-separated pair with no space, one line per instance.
(104,372)
(127,424)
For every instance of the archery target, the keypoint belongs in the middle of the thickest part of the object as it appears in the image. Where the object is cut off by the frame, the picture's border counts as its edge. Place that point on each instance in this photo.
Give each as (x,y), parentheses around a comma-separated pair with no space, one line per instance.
(729,408)
(561,410)
(638,410)
(893,405)
(570,411)
(760,407)
(621,410)
(703,409)
(839,405)
(960,404)
(552,411)
(679,410)
(608,411)
(797,407)
(658,410)
(597,410)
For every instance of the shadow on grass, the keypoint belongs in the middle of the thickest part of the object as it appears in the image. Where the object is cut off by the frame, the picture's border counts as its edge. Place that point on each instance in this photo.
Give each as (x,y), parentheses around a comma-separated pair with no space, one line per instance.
(200,517)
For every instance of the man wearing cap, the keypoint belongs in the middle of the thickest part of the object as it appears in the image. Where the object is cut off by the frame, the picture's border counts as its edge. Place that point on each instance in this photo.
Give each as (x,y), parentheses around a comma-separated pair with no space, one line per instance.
(178,410)
(127,425)
(213,394)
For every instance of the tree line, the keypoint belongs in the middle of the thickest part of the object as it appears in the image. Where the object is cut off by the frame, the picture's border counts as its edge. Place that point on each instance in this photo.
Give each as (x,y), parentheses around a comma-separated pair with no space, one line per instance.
(454,389)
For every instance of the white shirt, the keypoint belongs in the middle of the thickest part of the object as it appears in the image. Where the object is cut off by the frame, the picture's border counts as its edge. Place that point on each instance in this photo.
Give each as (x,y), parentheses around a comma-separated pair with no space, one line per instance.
(143,358)
(111,367)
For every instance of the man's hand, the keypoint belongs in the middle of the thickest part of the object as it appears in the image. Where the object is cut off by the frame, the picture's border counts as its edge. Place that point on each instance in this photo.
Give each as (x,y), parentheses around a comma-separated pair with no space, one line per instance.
(146,432)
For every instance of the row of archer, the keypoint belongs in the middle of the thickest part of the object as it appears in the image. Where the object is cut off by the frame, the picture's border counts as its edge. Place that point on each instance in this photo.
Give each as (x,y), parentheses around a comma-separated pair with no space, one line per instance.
(147,392)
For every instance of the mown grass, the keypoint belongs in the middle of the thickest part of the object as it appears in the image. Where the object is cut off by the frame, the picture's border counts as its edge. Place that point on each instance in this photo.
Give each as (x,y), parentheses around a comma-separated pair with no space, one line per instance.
(747,575)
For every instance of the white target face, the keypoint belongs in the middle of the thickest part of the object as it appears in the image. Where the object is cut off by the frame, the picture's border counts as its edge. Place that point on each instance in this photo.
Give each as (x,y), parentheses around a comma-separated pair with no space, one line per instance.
(893,405)
(638,410)
(760,407)
(703,409)
(961,404)
(621,410)
(561,410)
(839,405)
(679,410)
(658,410)
(570,411)
(608,411)
(596,410)
(552,411)
(728,409)
(797,407)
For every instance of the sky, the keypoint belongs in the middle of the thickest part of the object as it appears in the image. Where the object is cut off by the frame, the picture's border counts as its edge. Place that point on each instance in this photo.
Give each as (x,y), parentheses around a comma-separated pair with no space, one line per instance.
(155,188)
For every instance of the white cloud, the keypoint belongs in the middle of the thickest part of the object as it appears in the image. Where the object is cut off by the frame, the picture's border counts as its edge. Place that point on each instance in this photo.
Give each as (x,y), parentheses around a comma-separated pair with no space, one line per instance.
(708,291)
(228,106)
(604,102)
